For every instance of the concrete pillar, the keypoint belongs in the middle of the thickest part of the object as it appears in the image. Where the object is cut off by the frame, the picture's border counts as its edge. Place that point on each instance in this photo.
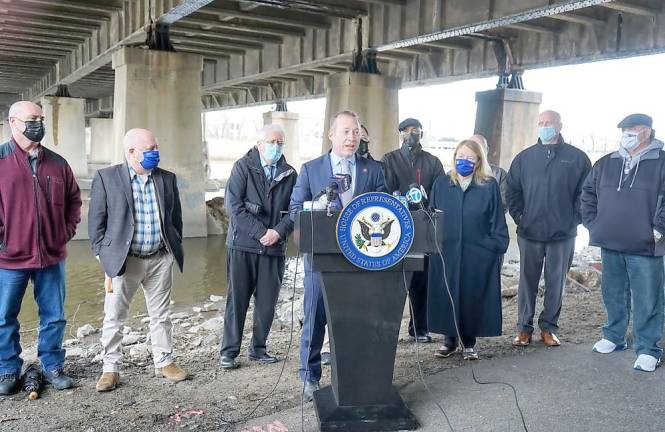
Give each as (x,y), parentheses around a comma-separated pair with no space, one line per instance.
(508,118)
(101,141)
(159,91)
(289,122)
(65,130)
(6,131)
(374,98)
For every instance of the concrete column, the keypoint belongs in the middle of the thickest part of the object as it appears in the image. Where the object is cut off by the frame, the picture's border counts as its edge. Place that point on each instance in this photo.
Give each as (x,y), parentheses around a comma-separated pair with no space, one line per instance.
(289,122)
(6,131)
(101,141)
(374,98)
(65,130)
(508,118)
(159,91)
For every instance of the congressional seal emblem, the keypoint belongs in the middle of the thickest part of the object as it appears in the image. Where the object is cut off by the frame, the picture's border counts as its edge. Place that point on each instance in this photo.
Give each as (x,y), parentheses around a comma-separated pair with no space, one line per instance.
(375,231)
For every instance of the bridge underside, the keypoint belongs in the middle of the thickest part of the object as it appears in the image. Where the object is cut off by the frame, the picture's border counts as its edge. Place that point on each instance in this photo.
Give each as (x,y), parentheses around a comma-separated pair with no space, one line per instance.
(261,51)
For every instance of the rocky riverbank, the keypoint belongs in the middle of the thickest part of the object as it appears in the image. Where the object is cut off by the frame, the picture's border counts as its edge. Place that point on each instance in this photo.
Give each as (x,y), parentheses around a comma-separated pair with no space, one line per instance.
(212,398)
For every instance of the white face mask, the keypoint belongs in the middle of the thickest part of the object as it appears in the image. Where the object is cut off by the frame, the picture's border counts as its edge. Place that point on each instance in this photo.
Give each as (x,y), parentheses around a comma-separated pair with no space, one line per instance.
(630,140)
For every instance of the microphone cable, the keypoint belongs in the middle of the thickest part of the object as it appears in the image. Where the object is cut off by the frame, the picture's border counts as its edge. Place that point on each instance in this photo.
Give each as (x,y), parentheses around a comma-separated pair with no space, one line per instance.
(457,330)
(248,417)
(311,329)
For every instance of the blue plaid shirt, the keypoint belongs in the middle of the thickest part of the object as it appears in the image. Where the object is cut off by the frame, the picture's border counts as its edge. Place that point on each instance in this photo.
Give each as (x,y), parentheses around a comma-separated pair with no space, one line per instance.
(147,227)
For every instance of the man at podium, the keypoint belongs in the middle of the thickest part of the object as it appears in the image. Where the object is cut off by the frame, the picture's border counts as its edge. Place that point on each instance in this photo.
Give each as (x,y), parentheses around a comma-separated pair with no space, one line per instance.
(318,181)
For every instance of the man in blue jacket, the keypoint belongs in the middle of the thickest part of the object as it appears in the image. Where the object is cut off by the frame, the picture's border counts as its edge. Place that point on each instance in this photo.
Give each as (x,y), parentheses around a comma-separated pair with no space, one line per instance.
(366,176)
(623,208)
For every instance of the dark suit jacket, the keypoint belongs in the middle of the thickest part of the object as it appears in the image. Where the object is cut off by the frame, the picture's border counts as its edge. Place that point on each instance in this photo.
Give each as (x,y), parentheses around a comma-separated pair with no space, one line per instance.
(111,218)
(315,176)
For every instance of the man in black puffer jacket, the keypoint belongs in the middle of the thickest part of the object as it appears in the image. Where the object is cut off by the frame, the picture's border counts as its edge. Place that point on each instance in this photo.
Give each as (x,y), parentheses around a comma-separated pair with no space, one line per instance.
(623,207)
(257,202)
(543,190)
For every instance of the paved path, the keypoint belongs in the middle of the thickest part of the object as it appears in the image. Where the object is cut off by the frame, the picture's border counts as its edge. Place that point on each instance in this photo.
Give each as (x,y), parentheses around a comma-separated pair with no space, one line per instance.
(563,389)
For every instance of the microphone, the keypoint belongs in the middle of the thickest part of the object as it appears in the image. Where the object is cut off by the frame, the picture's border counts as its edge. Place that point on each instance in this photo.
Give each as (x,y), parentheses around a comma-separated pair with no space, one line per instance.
(422,190)
(343,181)
(401,198)
(415,195)
(331,196)
(332,187)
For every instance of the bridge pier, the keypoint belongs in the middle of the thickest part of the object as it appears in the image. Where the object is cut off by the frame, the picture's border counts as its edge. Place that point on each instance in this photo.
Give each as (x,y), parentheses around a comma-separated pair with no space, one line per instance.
(5,130)
(101,142)
(157,90)
(65,130)
(374,98)
(508,118)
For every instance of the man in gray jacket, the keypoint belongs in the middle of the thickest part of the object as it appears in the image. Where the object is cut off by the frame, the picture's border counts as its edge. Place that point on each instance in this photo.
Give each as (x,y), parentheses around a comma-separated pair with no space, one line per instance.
(622,205)
(135,227)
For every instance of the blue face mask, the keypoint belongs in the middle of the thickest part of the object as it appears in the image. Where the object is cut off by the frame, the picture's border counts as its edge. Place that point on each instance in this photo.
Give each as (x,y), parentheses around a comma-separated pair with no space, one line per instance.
(546,133)
(150,159)
(464,167)
(272,152)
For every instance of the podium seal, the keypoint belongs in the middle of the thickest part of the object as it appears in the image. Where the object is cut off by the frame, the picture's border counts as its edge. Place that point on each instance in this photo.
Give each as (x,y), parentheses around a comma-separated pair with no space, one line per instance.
(375,231)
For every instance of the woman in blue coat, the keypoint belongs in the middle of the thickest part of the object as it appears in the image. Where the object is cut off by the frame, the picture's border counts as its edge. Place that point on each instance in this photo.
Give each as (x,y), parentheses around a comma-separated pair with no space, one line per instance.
(475,237)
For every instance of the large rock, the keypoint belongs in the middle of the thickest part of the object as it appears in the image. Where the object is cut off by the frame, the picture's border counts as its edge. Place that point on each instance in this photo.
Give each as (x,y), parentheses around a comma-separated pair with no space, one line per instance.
(85,330)
(283,313)
(131,339)
(217,220)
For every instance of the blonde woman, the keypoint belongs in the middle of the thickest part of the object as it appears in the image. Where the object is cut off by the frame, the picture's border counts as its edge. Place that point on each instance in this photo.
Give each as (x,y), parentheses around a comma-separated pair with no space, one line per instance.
(475,237)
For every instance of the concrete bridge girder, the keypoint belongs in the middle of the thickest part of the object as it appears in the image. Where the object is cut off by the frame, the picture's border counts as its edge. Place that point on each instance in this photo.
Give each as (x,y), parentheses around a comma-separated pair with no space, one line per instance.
(244,41)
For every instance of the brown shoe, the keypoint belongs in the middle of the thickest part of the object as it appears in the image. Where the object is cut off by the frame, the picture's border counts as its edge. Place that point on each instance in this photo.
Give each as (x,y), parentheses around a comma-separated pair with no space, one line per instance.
(549,339)
(522,339)
(108,381)
(171,372)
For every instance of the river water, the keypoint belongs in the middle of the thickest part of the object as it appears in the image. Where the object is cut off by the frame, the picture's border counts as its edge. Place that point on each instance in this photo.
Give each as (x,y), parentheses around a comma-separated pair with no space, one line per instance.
(204,274)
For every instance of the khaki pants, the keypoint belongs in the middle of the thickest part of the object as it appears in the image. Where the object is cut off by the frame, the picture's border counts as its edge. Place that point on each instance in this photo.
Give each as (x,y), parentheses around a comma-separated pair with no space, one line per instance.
(155,275)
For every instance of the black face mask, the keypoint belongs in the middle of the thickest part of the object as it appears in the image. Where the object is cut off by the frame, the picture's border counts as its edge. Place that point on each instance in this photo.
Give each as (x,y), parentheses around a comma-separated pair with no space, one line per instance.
(34,131)
(363,147)
(412,143)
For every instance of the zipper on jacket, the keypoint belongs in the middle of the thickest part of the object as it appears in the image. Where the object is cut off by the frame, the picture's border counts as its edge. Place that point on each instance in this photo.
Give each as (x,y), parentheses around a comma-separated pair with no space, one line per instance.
(48,188)
(35,183)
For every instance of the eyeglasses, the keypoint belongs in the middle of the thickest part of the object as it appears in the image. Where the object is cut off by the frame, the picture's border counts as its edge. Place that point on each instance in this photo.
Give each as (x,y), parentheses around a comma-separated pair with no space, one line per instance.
(278,142)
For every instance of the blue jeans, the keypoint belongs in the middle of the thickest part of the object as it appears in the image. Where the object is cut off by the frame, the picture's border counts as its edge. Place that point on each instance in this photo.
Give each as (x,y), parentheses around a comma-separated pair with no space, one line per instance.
(49,291)
(639,278)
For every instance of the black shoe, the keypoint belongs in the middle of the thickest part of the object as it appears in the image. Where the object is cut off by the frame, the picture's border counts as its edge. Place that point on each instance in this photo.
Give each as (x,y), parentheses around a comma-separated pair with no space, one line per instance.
(325,358)
(310,388)
(264,358)
(422,338)
(8,384)
(58,379)
(227,362)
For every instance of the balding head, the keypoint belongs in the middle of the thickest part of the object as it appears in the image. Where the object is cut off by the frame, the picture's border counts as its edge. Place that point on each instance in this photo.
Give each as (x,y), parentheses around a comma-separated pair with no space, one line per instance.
(137,141)
(547,120)
(19,113)
(481,140)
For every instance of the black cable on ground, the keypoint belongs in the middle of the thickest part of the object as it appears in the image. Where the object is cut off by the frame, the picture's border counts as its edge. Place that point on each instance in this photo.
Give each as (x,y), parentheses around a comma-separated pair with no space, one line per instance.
(457,330)
(232,423)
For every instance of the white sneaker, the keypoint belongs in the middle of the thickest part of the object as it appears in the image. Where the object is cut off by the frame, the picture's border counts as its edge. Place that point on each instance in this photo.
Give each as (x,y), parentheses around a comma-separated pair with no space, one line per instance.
(646,363)
(605,346)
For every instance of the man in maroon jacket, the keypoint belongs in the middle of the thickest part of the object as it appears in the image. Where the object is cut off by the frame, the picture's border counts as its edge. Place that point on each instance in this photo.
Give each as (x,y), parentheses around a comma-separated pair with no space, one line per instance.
(40,206)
